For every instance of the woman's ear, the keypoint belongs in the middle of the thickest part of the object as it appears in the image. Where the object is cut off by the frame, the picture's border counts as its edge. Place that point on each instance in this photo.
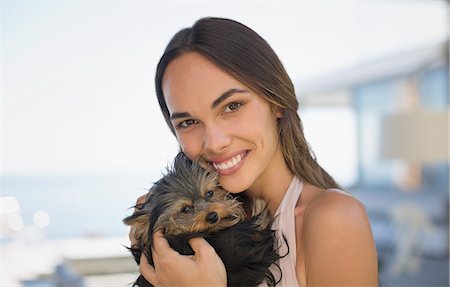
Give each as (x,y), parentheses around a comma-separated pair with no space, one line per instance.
(278,111)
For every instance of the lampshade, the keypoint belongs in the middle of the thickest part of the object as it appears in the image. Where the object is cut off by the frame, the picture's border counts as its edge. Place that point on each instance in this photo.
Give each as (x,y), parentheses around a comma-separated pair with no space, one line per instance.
(417,136)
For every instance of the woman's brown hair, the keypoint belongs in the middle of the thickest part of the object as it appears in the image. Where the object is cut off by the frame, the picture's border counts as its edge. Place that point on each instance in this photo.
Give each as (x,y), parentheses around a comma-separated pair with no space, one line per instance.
(246,56)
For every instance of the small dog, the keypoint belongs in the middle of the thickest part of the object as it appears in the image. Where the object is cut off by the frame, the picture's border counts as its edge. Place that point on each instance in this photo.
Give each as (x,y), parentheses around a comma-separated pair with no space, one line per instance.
(189,202)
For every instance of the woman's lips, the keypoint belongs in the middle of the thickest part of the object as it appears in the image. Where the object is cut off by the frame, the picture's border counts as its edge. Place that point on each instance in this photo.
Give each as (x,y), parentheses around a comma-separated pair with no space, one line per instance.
(230,165)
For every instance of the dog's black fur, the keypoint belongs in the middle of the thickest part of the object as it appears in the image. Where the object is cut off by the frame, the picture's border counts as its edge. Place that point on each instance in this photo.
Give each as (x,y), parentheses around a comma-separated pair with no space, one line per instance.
(247,248)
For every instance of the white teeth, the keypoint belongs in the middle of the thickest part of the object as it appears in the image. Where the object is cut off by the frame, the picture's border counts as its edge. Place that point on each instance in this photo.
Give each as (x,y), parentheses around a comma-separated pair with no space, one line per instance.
(229,164)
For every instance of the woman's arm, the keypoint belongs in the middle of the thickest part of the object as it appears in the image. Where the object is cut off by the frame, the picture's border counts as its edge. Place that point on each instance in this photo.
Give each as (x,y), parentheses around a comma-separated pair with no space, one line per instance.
(338,244)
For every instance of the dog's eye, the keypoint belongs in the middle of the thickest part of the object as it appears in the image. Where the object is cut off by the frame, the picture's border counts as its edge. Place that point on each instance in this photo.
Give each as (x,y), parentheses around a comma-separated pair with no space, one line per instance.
(209,193)
(186,209)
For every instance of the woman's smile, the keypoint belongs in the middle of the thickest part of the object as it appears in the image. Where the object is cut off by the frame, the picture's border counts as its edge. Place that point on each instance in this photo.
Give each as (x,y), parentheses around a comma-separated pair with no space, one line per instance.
(228,165)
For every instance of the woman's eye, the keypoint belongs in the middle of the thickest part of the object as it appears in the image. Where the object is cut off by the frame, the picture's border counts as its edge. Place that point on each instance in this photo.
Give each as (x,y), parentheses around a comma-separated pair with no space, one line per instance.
(186,123)
(186,209)
(233,107)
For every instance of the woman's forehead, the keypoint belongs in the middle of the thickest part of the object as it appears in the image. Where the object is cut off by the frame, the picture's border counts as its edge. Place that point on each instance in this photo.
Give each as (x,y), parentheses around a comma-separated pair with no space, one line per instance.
(192,78)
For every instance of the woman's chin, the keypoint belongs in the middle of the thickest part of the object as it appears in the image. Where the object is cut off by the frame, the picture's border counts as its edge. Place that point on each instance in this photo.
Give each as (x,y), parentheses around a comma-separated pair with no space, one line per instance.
(233,186)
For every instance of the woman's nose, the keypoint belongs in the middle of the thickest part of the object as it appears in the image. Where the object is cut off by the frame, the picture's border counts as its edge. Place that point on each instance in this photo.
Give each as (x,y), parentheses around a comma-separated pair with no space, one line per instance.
(216,139)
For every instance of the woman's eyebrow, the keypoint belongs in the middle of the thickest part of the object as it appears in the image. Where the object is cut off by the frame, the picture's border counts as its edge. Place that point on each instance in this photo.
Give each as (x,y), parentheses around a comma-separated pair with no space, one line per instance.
(226,95)
(179,115)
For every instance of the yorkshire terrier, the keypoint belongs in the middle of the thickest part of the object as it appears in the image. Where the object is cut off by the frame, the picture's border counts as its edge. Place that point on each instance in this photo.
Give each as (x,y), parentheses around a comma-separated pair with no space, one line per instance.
(189,202)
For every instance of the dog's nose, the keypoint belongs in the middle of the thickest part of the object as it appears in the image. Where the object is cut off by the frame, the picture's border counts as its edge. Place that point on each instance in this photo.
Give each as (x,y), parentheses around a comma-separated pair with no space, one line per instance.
(212,217)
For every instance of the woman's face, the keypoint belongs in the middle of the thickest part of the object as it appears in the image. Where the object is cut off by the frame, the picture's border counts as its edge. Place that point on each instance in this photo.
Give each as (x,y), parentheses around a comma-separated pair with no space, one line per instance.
(220,122)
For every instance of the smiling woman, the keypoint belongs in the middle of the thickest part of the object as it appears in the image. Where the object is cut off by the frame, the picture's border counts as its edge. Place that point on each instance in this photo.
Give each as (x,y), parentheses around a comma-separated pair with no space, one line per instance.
(232,107)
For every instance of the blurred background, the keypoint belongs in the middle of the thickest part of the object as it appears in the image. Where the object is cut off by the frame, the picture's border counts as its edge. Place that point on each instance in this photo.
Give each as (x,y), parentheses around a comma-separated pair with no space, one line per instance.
(82,135)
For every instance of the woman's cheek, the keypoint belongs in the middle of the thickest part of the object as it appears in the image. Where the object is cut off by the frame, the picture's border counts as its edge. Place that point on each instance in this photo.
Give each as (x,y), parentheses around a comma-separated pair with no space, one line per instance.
(189,146)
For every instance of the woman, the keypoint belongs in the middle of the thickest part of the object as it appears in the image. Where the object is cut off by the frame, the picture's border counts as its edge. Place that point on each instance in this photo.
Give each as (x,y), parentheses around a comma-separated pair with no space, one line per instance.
(227,98)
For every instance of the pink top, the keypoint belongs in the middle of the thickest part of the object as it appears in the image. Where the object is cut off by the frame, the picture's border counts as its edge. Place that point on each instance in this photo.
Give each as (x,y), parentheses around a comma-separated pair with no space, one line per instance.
(284,224)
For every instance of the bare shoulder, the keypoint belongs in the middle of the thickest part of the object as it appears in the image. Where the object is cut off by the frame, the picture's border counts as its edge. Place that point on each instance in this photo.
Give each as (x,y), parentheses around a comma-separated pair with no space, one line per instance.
(337,242)
(335,209)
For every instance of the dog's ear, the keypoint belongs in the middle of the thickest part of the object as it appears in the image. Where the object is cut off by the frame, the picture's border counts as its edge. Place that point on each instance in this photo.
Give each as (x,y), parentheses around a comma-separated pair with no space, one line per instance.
(139,221)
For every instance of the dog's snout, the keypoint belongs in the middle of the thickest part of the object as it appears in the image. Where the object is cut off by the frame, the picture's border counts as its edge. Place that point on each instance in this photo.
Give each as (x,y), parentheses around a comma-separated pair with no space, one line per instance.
(212,217)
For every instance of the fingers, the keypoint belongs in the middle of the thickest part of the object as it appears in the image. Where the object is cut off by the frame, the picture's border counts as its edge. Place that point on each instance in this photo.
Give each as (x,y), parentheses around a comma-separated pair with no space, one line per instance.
(165,260)
(173,269)
(147,270)
(201,247)
(160,243)
(207,258)
(140,201)
(198,244)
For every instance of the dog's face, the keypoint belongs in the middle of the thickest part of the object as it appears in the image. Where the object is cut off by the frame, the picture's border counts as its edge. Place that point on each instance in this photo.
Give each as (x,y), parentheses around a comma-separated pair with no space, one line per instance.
(196,206)
(188,199)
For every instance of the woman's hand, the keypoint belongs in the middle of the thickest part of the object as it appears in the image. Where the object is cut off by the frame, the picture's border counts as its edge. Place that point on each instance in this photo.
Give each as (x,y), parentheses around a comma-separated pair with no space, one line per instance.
(205,268)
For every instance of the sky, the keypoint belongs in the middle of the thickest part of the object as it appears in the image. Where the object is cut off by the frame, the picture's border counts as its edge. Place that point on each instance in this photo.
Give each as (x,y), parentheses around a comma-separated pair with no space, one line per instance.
(77,93)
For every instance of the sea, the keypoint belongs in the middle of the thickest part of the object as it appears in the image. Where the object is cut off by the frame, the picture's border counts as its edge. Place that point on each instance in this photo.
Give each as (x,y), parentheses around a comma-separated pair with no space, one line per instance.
(73,205)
